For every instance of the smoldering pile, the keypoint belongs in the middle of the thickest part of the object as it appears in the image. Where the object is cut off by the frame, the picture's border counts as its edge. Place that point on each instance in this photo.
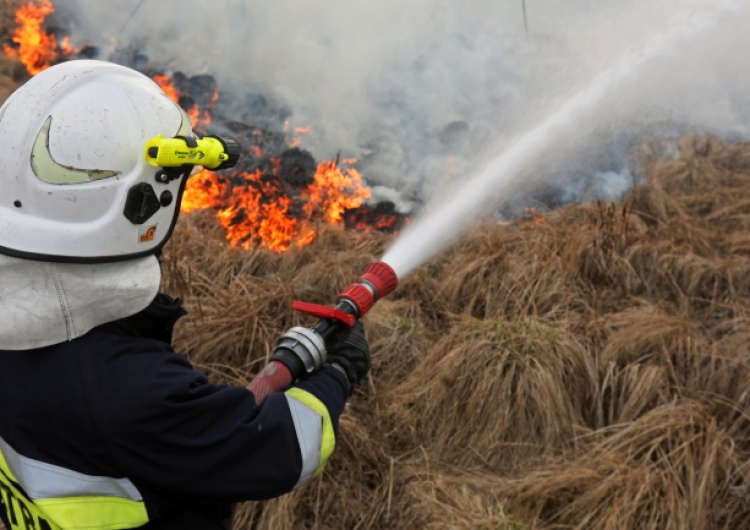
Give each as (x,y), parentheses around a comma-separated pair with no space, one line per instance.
(276,169)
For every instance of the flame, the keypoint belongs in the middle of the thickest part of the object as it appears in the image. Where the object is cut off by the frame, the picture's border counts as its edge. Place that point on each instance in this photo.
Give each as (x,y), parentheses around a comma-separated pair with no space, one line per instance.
(35,48)
(66,48)
(166,84)
(254,209)
(534,215)
(295,140)
(335,190)
(260,216)
(365,219)
(256,212)
(204,190)
(200,117)
(257,208)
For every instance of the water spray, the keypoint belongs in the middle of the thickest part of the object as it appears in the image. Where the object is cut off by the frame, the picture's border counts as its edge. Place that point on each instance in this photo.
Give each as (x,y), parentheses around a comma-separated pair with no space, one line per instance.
(301,350)
(512,169)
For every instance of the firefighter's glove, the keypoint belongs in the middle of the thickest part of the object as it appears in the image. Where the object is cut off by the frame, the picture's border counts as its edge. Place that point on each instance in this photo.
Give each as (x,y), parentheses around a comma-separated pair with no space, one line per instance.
(350,351)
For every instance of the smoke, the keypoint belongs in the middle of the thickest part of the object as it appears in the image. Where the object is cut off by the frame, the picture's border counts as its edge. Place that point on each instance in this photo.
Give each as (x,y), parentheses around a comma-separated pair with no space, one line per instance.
(426,91)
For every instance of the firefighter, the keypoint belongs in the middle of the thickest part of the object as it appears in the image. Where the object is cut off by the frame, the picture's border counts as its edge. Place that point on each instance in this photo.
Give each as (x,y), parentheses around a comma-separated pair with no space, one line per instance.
(102,423)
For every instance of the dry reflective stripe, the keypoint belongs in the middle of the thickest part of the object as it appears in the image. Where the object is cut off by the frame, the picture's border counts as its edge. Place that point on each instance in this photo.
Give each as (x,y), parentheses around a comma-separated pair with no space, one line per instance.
(312,423)
(41,480)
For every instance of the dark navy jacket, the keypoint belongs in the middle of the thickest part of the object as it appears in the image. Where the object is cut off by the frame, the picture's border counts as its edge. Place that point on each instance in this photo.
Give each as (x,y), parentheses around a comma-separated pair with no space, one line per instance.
(119,402)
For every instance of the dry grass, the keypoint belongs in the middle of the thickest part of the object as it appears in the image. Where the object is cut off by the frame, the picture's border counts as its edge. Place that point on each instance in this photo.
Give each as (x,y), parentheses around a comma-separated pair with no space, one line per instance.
(589,371)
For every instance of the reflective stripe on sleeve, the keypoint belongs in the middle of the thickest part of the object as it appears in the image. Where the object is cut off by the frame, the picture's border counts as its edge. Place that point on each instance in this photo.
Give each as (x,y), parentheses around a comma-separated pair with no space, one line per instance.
(73,500)
(314,429)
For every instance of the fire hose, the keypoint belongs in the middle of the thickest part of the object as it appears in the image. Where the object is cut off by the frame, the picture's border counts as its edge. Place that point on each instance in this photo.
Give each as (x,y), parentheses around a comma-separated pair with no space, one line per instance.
(302,350)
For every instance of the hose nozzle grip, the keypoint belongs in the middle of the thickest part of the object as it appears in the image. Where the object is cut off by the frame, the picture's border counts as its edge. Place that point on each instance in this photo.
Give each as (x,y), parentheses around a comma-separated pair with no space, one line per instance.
(302,350)
(322,311)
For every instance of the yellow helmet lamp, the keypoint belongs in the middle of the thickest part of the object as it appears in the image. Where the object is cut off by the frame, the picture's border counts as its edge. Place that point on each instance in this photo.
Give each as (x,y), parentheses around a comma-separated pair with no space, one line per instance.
(211,152)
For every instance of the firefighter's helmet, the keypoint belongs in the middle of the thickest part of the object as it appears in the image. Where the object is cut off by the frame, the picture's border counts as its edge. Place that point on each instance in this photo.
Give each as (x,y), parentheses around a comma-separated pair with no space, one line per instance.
(76,186)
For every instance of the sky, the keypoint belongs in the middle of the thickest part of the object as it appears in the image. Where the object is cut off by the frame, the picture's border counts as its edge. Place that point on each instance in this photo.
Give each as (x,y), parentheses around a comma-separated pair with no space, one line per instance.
(425,93)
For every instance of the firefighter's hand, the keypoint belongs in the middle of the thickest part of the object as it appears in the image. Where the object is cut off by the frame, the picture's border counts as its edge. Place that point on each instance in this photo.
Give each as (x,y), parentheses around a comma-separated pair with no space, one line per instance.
(350,351)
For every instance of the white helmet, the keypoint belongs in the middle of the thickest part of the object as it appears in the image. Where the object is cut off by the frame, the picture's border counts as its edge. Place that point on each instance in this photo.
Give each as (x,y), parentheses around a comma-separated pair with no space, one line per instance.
(76,186)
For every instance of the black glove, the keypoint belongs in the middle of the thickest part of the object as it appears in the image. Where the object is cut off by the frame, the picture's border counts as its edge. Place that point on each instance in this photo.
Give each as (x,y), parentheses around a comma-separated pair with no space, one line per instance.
(349,350)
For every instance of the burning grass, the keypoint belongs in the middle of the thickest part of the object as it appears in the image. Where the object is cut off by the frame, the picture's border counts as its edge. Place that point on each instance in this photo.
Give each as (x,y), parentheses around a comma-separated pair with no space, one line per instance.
(589,371)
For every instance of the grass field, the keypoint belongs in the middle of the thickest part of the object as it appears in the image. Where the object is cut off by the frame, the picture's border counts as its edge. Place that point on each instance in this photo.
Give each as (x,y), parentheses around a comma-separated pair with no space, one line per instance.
(587,371)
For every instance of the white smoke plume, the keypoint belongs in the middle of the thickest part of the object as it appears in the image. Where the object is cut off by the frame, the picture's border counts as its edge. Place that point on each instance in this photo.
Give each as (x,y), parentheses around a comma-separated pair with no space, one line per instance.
(422,92)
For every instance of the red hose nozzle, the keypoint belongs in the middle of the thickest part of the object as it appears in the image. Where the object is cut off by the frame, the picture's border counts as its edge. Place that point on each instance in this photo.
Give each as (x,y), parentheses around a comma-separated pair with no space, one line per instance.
(298,351)
(377,281)
(382,277)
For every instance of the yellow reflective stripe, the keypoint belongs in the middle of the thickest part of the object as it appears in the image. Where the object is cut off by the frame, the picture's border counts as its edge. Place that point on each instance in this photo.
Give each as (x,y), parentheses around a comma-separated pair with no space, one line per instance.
(22,514)
(327,437)
(308,425)
(74,512)
(107,513)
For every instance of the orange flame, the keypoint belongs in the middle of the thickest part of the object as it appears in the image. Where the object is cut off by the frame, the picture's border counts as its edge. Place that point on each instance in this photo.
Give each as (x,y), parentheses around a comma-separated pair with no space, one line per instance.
(166,84)
(66,48)
(260,215)
(204,190)
(255,209)
(36,49)
(334,191)
(534,215)
(199,117)
(295,140)
(202,117)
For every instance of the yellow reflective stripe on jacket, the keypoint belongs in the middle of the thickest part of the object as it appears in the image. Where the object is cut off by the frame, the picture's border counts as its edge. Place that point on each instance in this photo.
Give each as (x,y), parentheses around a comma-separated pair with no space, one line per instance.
(314,429)
(66,499)
(94,512)
(22,514)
